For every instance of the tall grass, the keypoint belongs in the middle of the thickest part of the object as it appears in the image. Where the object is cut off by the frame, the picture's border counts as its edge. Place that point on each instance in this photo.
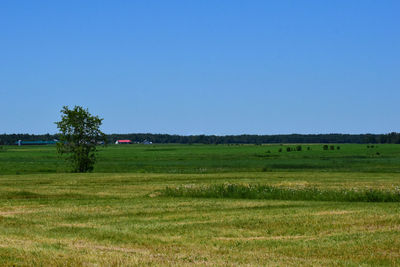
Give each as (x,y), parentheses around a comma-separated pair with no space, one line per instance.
(258,191)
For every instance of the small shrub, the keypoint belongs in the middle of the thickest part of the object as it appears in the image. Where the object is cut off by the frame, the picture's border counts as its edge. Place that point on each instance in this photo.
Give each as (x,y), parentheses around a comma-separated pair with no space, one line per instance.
(338,147)
(298,148)
(288,149)
(332,147)
(325,147)
(280,150)
(308,148)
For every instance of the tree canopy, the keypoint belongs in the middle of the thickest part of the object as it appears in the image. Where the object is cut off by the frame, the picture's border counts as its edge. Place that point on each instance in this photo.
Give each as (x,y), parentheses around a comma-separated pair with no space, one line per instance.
(79,135)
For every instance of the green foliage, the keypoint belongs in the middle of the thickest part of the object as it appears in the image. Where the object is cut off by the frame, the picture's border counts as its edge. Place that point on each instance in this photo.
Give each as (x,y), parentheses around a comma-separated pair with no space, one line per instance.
(79,135)
(249,191)
(298,148)
(325,147)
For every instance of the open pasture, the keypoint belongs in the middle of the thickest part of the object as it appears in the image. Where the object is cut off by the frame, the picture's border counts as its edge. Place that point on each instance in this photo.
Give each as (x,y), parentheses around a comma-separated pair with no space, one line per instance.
(118,215)
(172,158)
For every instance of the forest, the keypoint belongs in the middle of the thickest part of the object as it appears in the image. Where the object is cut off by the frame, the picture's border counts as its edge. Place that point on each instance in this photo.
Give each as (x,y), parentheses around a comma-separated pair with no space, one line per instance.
(390,138)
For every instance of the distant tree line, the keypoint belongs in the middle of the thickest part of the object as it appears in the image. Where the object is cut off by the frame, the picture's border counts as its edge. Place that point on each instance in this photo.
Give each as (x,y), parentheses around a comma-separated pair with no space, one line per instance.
(391,138)
(11,139)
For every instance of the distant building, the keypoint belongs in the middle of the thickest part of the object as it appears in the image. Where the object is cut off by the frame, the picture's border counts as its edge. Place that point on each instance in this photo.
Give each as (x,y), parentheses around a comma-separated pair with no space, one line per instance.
(123,142)
(20,142)
(145,142)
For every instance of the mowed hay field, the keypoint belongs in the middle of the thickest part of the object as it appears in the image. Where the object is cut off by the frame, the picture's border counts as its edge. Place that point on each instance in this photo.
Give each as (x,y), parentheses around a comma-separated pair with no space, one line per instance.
(120,215)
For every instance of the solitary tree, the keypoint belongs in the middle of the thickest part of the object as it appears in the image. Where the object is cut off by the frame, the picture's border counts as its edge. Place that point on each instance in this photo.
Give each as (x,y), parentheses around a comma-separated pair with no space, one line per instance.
(79,135)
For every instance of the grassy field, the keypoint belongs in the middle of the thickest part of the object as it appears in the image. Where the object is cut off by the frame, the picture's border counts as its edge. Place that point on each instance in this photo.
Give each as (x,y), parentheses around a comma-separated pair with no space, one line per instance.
(209,159)
(119,216)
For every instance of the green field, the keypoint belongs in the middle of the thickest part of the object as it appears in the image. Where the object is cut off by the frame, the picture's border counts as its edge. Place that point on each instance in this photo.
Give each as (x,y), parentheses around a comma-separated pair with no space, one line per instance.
(119,215)
(209,159)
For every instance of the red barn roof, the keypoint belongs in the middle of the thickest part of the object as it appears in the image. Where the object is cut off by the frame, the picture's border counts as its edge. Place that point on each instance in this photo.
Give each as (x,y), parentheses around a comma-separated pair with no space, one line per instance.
(124,141)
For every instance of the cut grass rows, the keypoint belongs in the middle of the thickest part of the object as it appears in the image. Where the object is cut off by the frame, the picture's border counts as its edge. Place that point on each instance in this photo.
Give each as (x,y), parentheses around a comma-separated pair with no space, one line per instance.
(116,220)
(120,219)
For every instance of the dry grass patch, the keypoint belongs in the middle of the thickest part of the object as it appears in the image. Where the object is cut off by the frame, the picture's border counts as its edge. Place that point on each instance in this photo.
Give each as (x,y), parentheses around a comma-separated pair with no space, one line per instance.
(335,212)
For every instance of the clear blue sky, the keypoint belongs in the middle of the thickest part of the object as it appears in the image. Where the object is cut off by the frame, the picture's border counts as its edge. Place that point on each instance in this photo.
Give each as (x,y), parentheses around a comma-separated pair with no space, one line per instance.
(202,67)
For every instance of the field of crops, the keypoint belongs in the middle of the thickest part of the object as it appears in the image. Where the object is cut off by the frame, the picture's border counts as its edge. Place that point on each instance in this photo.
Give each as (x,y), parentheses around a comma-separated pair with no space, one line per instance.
(203,205)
